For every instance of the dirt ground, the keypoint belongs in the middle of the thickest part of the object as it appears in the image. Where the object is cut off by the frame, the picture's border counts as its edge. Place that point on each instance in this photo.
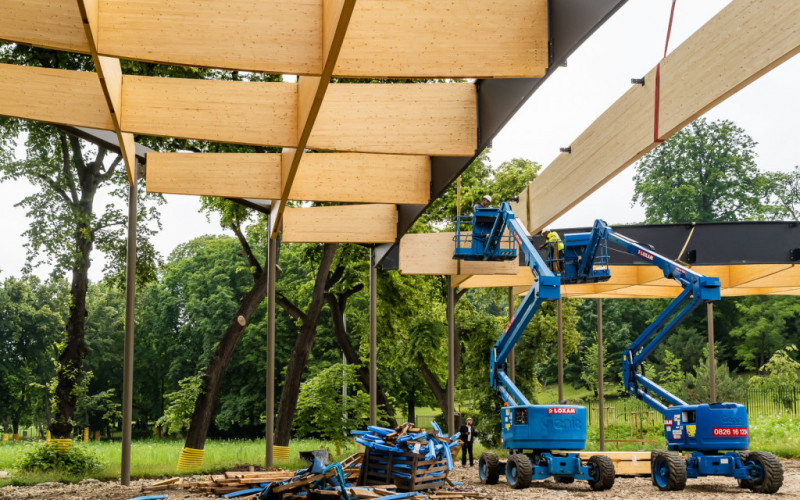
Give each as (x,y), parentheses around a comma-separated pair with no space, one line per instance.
(624,488)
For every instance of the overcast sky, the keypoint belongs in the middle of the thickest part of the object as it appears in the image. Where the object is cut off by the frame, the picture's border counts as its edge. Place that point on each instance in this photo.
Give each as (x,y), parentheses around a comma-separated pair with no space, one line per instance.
(597,74)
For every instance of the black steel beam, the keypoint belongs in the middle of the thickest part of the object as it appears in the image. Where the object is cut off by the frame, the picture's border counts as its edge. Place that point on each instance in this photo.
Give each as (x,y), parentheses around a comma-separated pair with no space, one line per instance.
(571,23)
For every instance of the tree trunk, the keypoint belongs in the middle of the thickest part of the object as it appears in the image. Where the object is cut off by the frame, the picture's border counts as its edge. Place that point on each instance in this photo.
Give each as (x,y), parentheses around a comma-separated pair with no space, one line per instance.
(71,358)
(337,315)
(412,405)
(438,391)
(302,348)
(215,371)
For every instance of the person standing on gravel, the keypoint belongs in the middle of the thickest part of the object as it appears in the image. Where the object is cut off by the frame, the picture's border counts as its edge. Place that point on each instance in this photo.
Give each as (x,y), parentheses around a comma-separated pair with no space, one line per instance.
(468,437)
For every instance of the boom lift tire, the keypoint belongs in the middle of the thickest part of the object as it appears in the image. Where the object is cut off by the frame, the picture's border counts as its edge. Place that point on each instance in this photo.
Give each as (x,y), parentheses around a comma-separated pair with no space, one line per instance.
(772,479)
(489,468)
(653,455)
(669,471)
(602,471)
(519,471)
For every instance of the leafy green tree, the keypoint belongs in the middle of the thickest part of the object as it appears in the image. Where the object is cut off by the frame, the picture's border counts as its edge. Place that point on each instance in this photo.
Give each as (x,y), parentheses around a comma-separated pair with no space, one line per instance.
(65,224)
(705,173)
(695,388)
(780,373)
(671,376)
(178,415)
(765,324)
(783,194)
(589,360)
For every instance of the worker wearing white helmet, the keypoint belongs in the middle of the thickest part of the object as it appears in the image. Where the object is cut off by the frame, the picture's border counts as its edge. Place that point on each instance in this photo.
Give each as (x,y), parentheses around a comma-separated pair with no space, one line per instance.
(486,201)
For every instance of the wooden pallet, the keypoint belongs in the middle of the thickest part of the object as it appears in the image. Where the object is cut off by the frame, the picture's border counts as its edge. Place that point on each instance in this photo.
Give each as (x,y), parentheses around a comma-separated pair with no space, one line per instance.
(407,471)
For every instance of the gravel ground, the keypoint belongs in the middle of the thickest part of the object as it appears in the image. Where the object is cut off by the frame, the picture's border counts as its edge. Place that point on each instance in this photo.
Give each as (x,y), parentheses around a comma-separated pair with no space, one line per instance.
(625,487)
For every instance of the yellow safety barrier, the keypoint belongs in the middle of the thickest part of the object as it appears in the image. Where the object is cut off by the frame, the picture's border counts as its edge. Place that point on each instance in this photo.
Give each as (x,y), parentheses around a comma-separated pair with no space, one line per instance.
(190,459)
(16,437)
(5,437)
(85,434)
(48,436)
(280,453)
(62,445)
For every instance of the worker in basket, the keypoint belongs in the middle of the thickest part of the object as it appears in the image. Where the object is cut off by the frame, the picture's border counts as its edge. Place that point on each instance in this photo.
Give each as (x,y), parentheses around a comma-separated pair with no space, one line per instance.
(555,248)
(485,202)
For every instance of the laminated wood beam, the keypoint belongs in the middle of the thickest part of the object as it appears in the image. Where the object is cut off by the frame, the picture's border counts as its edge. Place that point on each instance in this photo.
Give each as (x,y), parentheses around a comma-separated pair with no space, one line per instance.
(109,72)
(446,38)
(432,253)
(273,36)
(425,119)
(233,175)
(52,24)
(745,40)
(341,224)
(310,93)
(53,95)
(261,113)
(338,177)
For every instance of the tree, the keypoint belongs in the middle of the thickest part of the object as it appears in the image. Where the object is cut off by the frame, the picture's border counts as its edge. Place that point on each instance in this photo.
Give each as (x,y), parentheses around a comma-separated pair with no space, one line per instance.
(695,386)
(764,326)
(780,373)
(783,194)
(65,224)
(704,173)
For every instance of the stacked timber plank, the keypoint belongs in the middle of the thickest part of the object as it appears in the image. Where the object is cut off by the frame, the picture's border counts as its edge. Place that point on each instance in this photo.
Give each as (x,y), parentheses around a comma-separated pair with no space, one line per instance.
(626,463)
(408,457)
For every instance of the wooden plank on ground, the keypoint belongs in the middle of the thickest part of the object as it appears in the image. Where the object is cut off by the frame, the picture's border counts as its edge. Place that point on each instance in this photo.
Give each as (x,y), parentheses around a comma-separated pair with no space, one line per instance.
(53,95)
(432,253)
(419,38)
(745,40)
(273,36)
(235,175)
(52,24)
(373,223)
(423,119)
(237,112)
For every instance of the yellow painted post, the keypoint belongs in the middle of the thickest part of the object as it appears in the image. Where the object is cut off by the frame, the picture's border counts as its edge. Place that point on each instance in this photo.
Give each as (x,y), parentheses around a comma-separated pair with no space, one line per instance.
(85,434)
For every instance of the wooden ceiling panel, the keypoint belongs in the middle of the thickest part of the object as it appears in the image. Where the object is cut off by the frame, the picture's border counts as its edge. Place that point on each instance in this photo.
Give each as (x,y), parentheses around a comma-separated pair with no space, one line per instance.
(52,95)
(422,119)
(224,111)
(52,24)
(341,224)
(235,175)
(273,36)
(446,38)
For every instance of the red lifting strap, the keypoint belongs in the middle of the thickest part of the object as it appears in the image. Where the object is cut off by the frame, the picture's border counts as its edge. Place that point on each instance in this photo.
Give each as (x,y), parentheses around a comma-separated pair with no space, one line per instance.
(658,74)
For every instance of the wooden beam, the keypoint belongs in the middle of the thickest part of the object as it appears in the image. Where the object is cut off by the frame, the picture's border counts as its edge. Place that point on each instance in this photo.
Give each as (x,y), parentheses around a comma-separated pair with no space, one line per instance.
(339,177)
(52,24)
(311,91)
(788,277)
(446,38)
(425,119)
(110,73)
(341,224)
(53,95)
(744,41)
(273,36)
(756,275)
(362,178)
(234,175)
(432,253)
(237,112)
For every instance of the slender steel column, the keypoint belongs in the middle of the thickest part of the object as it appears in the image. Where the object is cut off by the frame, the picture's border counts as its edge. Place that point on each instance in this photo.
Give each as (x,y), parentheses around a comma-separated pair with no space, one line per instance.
(600,388)
(560,353)
(272,266)
(512,360)
(130,309)
(451,358)
(712,366)
(373,339)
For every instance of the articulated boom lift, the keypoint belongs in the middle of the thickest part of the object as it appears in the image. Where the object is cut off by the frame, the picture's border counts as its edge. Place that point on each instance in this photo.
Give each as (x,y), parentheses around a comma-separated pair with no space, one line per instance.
(702,429)
(529,431)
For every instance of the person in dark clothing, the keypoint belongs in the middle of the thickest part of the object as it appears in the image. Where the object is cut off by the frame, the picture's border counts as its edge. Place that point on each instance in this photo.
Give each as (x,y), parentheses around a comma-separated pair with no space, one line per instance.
(468,437)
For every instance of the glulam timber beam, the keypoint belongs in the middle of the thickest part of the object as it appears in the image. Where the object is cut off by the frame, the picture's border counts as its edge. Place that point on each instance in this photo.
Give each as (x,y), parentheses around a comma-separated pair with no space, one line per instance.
(373,223)
(335,177)
(745,40)
(109,71)
(387,39)
(432,253)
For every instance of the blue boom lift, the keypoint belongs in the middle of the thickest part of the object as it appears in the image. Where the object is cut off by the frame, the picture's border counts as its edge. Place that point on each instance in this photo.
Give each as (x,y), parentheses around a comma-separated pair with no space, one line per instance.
(716,435)
(529,431)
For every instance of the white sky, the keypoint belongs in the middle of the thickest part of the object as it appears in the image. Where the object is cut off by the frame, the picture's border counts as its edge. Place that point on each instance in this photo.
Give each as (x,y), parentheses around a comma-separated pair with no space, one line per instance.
(598,73)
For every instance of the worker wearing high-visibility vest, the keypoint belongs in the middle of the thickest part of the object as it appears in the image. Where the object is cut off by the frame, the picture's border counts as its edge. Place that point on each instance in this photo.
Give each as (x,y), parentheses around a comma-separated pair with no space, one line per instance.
(556,249)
